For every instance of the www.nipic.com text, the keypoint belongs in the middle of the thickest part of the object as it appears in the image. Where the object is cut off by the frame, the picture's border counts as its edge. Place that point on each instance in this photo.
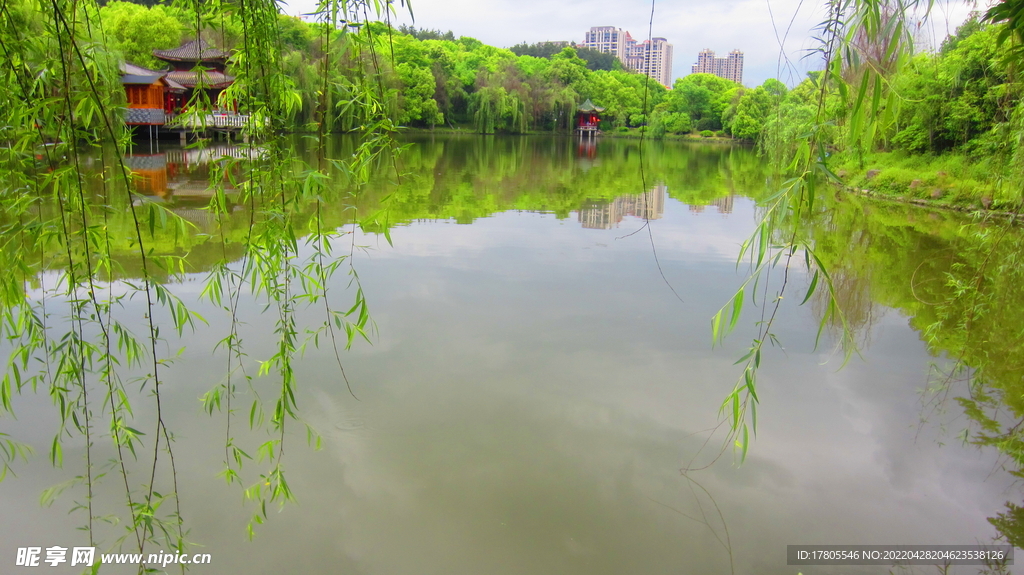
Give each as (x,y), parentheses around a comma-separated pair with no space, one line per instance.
(86,556)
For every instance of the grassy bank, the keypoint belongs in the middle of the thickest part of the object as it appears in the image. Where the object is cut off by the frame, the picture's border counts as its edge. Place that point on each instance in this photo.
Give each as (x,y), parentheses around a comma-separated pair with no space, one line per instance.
(949,180)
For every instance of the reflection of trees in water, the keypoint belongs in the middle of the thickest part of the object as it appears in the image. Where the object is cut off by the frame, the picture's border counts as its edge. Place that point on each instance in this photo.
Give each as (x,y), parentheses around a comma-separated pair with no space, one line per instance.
(449,178)
(961,284)
(852,292)
(851,285)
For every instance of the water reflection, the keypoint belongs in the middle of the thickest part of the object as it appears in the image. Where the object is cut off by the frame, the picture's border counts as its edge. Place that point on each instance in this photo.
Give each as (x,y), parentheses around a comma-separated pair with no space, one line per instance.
(960,285)
(601,194)
(649,205)
(535,388)
(723,205)
(183,175)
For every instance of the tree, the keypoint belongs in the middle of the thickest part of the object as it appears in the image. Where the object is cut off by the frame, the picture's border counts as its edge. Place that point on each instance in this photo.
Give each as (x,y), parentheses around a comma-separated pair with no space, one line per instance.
(751,114)
(417,102)
(136,30)
(538,50)
(597,60)
(425,34)
(704,97)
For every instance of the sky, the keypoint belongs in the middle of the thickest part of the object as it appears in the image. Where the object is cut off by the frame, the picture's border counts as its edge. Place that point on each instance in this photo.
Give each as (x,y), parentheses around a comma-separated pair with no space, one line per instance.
(756,27)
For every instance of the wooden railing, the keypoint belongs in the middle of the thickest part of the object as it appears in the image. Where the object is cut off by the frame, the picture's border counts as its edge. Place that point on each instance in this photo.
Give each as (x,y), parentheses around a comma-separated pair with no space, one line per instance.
(221,121)
(226,121)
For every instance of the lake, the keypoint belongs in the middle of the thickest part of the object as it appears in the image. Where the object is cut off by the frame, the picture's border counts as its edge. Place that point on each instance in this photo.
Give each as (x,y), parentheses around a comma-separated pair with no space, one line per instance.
(541,375)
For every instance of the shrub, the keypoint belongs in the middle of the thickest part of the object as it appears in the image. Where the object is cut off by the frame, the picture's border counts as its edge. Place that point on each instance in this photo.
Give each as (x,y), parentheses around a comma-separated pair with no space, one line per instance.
(707,134)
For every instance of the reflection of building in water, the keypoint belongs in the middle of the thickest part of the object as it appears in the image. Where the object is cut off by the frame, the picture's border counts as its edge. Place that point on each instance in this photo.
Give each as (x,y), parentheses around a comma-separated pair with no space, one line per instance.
(183,175)
(586,153)
(648,205)
(587,148)
(207,154)
(149,172)
(723,204)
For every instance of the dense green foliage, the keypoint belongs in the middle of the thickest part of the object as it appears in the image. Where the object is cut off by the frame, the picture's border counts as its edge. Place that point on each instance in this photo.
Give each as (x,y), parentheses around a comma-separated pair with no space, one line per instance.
(466,82)
(595,60)
(430,78)
(945,128)
(96,345)
(134,31)
(961,99)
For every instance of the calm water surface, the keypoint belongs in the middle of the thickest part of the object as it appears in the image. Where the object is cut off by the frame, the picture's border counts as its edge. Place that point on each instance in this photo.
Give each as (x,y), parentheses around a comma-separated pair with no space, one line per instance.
(535,388)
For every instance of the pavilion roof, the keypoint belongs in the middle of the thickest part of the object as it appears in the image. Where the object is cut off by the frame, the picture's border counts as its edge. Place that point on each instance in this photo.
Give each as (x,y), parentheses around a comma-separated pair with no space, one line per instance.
(132,74)
(192,78)
(194,51)
(589,106)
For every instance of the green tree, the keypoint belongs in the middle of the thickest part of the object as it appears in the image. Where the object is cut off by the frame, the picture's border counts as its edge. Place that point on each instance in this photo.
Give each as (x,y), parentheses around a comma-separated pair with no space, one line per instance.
(751,114)
(135,30)
(704,97)
(417,102)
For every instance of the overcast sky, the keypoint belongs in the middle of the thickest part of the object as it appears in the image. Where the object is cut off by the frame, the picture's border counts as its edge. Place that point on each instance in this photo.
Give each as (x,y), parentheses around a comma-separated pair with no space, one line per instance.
(757,27)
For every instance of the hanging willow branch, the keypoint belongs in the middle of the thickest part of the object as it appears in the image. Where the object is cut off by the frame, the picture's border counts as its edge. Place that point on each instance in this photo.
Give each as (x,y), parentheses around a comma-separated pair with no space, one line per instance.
(861,84)
(78,338)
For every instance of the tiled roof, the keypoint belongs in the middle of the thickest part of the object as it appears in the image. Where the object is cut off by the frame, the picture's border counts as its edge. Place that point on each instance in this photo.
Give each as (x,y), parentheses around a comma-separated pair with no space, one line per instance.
(133,70)
(589,106)
(174,86)
(132,74)
(194,51)
(210,78)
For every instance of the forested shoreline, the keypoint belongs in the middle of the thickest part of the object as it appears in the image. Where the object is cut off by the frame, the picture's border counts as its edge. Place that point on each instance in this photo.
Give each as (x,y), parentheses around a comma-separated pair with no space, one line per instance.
(434,79)
(944,135)
(952,136)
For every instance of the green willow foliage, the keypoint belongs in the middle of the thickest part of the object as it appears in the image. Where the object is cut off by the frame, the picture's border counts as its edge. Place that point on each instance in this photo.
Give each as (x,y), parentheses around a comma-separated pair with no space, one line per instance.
(851,105)
(85,303)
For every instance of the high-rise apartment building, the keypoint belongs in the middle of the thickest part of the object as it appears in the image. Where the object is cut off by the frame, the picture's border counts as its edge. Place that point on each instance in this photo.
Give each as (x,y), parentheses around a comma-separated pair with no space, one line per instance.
(730,68)
(652,57)
(608,39)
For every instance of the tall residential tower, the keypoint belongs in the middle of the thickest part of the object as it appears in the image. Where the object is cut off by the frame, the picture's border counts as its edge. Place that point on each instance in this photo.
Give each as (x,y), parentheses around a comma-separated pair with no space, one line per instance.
(730,68)
(608,39)
(651,57)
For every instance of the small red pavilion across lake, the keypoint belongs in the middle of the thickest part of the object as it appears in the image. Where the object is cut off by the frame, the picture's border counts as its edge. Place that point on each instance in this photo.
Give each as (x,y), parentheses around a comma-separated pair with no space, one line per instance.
(588,118)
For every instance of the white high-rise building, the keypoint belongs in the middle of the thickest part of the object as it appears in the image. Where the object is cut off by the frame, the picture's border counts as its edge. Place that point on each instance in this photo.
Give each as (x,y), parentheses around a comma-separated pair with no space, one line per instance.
(730,68)
(654,58)
(651,57)
(608,39)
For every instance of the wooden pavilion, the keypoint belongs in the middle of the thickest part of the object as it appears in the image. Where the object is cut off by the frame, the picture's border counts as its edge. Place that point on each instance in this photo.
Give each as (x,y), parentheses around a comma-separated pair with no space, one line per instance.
(588,118)
(195,66)
(147,94)
(156,97)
